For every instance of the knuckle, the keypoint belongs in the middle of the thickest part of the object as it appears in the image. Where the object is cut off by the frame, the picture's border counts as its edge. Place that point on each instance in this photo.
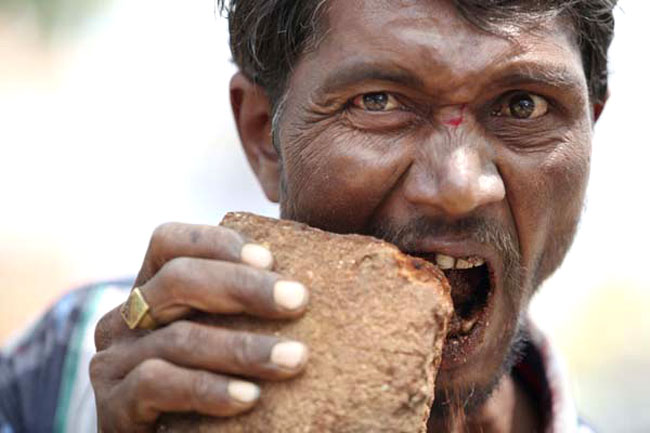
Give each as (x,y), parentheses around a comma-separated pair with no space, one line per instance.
(242,346)
(173,275)
(202,392)
(174,271)
(135,401)
(95,370)
(159,239)
(246,281)
(253,288)
(97,366)
(229,242)
(146,374)
(243,277)
(162,232)
(229,236)
(104,330)
(101,334)
(183,336)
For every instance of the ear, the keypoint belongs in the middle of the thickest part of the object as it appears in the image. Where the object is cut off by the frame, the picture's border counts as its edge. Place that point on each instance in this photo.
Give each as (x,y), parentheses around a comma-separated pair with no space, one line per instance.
(252,110)
(600,106)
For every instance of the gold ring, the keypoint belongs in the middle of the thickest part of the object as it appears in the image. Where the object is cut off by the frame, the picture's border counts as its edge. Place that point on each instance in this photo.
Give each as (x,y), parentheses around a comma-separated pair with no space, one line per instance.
(135,311)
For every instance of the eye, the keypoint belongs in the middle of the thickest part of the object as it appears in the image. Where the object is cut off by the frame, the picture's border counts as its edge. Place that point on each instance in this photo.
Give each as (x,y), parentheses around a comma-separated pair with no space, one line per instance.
(522,105)
(376,101)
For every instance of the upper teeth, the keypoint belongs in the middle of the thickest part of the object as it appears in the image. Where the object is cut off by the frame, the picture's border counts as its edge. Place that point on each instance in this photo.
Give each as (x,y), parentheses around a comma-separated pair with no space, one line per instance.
(447,262)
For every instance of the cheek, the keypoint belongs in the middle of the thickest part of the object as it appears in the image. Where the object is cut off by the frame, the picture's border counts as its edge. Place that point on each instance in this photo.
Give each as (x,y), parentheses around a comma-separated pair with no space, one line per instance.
(336,179)
(545,195)
(567,173)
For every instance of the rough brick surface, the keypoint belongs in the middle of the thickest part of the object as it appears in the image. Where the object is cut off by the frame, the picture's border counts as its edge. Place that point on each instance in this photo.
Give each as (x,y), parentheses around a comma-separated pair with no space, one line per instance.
(375,327)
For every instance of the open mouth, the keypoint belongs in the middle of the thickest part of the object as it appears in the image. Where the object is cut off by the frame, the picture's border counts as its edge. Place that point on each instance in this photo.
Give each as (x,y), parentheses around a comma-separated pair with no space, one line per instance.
(471,293)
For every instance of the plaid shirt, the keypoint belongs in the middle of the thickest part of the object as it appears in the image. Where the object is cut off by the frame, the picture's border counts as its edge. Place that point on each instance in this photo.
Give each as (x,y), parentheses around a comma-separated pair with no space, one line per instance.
(44,383)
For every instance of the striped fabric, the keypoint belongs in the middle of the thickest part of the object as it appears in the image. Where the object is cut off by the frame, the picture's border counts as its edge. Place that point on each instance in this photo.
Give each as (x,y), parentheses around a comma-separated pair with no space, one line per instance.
(44,383)
(45,388)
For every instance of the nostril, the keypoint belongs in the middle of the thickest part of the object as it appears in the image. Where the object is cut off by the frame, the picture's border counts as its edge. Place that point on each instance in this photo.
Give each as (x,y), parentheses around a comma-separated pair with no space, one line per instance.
(455,195)
(463,193)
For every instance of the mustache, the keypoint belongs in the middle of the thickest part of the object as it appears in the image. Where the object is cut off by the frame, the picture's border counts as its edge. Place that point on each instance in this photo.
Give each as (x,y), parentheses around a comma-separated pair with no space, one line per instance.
(477,229)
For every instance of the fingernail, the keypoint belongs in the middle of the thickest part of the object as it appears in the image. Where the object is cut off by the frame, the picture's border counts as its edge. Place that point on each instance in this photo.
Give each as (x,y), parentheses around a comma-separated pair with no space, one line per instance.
(244,392)
(289,294)
(257,255)
(289,354)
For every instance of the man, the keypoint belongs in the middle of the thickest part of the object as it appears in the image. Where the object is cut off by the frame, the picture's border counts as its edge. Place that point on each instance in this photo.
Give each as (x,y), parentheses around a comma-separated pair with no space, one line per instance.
(458,130)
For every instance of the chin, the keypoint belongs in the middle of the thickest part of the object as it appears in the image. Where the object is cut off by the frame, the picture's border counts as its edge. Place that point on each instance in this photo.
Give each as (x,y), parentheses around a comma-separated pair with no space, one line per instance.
(490,299)
(481,259)
(462,388)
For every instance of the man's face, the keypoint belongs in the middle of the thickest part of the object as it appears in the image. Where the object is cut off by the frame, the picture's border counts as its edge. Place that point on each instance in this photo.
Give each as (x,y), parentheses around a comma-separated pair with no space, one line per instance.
(408,123)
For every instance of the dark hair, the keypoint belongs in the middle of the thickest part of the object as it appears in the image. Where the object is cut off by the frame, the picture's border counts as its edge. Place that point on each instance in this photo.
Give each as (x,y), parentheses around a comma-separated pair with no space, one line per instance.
(268,36)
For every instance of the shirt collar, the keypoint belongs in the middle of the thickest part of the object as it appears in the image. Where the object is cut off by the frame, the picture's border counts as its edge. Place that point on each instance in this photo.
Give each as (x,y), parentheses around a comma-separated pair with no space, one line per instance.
(543,374)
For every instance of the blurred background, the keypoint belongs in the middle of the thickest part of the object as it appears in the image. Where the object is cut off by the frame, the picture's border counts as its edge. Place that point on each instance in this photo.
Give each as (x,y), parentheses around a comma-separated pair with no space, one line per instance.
(114,118)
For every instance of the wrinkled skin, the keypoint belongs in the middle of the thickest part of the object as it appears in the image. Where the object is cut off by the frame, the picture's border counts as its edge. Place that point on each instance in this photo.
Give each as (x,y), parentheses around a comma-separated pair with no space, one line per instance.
(405,122)
(347,169)
(438,150)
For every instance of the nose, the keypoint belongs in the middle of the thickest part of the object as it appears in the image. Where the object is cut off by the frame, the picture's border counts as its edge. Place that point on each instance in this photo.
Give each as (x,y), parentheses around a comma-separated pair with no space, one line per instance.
(453,179)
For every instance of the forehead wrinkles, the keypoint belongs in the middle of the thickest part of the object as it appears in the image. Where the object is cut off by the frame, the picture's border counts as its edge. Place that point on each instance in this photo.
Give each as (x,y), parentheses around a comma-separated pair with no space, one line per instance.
(431,38)
(421,35)
(416,21)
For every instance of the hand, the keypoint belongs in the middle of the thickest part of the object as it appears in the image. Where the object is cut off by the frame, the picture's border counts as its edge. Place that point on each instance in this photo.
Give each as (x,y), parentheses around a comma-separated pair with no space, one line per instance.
(184,366)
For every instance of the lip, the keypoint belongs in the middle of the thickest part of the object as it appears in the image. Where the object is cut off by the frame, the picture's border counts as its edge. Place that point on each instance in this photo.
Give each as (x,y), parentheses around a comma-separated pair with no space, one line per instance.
(460,351)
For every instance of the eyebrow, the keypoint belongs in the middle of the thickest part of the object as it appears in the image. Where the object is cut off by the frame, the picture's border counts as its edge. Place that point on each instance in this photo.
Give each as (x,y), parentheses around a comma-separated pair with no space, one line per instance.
(556,76)
(356,73)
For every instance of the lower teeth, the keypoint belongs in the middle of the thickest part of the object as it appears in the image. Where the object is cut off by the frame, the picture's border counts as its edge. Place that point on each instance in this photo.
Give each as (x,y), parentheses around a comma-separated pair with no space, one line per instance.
(467,326)
(460,326)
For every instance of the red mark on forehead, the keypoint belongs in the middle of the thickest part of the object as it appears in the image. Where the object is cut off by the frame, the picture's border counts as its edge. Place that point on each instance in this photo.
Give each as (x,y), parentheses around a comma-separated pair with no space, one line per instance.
(455,118)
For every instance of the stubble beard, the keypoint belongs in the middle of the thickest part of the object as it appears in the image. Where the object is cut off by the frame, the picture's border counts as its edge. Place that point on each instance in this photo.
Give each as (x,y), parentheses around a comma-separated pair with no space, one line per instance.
(453,405)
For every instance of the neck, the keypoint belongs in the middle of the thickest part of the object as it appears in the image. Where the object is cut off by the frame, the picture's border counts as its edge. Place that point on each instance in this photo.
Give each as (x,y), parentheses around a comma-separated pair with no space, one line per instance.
(508,410)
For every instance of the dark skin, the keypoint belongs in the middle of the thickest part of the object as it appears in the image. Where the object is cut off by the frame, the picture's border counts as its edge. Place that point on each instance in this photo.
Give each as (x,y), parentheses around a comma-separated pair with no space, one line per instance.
(402,112)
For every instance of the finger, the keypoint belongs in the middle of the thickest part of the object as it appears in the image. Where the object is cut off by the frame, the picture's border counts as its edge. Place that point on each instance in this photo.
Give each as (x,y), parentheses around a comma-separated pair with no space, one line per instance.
(112,327)
(172,240)
(185,284)
(220,350)
(157,386)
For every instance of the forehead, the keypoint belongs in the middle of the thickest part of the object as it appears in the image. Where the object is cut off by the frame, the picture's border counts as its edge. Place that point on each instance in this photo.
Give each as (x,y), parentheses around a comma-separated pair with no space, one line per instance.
(426,26)
(430,41)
